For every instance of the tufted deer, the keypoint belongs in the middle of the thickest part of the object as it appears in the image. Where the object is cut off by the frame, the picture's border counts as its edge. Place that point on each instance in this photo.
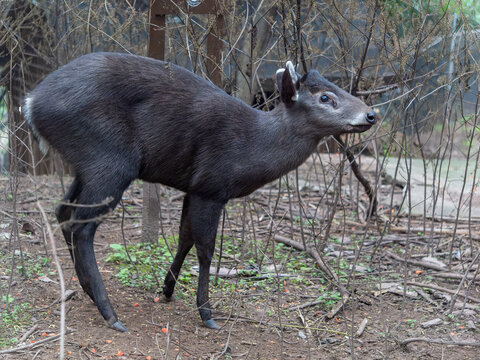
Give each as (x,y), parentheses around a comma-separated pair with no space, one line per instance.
(118,117)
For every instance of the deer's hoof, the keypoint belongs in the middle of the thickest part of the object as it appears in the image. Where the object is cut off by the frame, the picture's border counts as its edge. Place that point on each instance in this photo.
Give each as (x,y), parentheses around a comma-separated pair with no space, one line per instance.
(211,324)
(117,325)
(168,298)
(167,292)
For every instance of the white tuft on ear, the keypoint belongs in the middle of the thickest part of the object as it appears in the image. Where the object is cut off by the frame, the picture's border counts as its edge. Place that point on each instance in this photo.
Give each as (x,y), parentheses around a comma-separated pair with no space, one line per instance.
(285,89)
(291,70)
(278,78)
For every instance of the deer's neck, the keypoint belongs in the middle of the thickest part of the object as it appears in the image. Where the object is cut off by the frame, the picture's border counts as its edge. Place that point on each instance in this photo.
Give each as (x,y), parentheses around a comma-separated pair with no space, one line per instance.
(285,141)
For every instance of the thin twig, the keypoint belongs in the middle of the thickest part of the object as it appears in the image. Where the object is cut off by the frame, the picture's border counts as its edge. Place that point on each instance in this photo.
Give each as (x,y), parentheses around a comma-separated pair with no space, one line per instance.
(303,306)
(28,333)
(61,280)
(33,345)
(316,256)
(358,174)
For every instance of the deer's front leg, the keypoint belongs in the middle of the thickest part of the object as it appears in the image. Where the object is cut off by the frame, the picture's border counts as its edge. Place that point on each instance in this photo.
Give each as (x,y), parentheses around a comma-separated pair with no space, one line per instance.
(204,216)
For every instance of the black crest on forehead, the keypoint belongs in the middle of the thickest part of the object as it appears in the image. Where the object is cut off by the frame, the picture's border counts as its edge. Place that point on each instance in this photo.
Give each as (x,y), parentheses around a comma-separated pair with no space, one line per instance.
(316,82)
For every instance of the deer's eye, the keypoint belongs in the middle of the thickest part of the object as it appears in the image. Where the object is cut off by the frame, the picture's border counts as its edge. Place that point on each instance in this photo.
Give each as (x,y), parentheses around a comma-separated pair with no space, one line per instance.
(324,98)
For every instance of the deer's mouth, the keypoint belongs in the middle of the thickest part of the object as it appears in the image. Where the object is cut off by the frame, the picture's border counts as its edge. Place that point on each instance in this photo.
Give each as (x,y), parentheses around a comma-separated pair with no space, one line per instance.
(359,128)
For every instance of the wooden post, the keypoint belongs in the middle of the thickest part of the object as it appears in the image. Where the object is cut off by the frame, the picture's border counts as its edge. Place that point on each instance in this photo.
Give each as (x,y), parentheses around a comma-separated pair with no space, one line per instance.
(159,9)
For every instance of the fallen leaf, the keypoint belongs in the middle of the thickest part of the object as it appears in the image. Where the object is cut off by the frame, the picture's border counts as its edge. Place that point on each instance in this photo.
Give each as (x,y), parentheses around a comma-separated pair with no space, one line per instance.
(46,279)
(120,353)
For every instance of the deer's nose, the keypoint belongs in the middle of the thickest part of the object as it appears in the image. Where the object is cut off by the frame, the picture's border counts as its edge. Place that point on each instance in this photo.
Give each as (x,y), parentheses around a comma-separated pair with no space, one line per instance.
(371,117)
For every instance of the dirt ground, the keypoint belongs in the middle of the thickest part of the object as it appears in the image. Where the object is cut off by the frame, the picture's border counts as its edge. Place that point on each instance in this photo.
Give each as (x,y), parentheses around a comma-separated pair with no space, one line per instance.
(256,322)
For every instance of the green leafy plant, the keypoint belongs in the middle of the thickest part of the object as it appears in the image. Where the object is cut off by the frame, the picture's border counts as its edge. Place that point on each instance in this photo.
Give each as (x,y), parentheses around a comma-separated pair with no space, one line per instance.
(411,322)
(12,321)
(143,264)
(35,267)
(328,298)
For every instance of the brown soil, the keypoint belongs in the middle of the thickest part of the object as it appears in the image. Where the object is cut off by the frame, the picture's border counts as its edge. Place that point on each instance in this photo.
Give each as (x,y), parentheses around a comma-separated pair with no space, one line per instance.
(254,322)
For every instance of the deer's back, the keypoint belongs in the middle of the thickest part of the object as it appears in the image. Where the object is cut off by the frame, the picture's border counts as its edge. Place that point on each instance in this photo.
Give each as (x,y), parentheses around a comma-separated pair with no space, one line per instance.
(177,128)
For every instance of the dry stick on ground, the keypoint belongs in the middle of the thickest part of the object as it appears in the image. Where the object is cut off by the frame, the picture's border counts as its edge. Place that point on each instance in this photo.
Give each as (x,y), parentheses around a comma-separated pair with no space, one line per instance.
(227,346)
(36,354)
(366,185)
(456,276)
(33,345)
(338,306)
(472,280)
(303,306)
(28,333)
(443,231)
(425,264)
(61,280)
(361,328)
(439,288)
(311,251)
(439,341)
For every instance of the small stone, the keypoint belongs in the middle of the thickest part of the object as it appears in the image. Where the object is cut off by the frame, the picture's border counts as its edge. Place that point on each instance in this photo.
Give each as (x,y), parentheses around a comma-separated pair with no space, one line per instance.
(360,268)
(471,325)
(302,335)
(434,261)
(329,340)
(388,285)
(431,323)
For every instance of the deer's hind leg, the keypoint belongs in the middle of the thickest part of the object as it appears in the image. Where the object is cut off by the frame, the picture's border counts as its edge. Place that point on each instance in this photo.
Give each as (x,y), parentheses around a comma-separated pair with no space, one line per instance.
(99,193)
(64,214)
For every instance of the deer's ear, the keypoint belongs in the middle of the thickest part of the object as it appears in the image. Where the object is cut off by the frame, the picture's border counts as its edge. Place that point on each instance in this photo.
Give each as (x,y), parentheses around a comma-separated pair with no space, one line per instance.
(286,83)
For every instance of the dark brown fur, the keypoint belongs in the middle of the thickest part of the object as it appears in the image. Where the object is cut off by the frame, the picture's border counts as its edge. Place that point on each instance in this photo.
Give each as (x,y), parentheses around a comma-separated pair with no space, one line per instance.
(118,117)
